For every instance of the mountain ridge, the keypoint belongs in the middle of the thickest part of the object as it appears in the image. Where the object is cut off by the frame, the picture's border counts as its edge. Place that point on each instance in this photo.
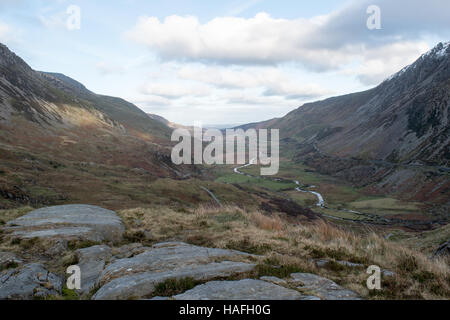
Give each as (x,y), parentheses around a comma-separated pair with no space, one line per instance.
(410,105)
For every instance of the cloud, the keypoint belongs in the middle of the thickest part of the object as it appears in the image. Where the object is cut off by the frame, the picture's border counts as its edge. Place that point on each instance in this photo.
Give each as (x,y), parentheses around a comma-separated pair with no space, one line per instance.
(174,91)
(258,40)
(320,43)
(293,91)
(271,80)
(382,62)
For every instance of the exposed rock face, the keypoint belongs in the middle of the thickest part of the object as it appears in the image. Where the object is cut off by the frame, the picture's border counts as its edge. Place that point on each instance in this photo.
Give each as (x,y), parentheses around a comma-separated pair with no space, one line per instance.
(92,261)
(247,289)
(69,222)
(143,284)
(322,287)
(133,271)
(128,250)
(165,256)
(29,282)
(137,276)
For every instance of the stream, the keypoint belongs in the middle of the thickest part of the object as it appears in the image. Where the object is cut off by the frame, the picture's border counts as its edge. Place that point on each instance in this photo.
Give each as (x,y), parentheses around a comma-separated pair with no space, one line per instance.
(320,201)
(369,217)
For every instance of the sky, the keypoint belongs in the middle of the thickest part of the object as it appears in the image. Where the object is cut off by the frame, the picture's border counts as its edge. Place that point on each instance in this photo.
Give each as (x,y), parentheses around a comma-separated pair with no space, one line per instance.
(223,62)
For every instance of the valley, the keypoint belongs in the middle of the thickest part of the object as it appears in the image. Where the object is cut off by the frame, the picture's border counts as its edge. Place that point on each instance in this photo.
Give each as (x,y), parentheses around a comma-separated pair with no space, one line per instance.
(347,194)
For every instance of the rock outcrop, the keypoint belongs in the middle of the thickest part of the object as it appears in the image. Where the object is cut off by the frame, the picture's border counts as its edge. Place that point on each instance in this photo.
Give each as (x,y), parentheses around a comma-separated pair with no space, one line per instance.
(31,281)
(82,222)
(134,271)
(92,261)
(137,276)
(324,288)
(248,289)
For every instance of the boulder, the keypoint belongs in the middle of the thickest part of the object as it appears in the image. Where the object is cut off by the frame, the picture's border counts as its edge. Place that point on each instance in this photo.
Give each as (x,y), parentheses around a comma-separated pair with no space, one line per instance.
(31,281)
(322,287)
(136,277)
(248,289)
(92,261)
(69,222)
(165,256)
(143,284)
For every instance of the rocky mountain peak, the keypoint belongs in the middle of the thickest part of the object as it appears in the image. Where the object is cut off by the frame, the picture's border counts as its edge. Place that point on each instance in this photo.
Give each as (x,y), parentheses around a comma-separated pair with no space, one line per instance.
(9,59)
(431,61)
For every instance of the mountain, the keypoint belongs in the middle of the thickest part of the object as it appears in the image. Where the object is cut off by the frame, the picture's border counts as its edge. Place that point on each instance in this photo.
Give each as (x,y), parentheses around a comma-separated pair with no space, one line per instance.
(405,118)
(45,98)
(367,136)
(52,128)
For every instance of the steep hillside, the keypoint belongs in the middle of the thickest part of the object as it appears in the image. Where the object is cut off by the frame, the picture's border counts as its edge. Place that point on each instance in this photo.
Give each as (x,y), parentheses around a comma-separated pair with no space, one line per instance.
(59,141)
(405,118)
(395,137)
(46,98)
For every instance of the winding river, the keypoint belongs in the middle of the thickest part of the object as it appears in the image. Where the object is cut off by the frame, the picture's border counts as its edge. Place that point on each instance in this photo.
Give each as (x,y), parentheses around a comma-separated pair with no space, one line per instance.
(369,218)
(320,201)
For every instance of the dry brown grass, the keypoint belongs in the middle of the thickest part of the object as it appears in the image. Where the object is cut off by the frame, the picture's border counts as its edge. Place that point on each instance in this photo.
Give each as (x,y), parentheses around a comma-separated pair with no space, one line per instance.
(291,247)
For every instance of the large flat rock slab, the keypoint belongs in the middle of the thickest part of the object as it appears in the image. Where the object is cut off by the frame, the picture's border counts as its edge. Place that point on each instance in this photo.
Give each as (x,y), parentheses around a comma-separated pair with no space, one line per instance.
(322,287)
(29,282)
(248,289)
(143,284)
(82,222)
(137,276)
(164,257)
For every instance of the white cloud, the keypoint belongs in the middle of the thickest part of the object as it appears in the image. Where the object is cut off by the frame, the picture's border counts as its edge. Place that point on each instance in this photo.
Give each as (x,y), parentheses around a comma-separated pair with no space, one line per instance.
(174,91)
(271,80)
(256,66)
(261,39)
(382,62)
(322,43)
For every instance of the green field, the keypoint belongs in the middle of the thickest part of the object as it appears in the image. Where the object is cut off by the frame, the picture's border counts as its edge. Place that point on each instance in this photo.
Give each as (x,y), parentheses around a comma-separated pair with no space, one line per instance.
(337,194)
